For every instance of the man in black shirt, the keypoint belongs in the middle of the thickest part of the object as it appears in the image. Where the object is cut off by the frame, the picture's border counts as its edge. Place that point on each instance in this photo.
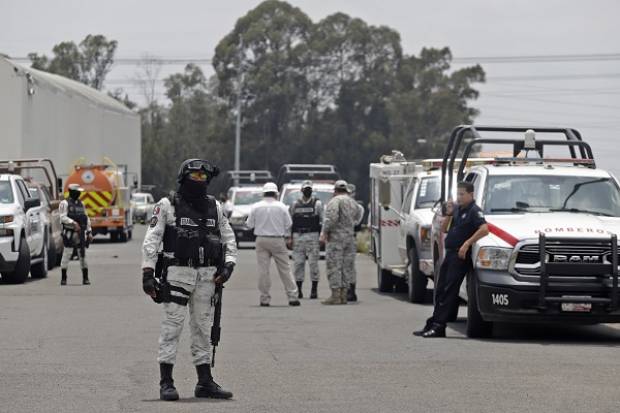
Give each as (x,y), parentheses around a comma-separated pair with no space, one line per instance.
(466,225)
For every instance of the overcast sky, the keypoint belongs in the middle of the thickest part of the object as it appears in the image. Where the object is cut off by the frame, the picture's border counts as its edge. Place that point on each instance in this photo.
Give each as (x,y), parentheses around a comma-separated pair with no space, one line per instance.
(585,95)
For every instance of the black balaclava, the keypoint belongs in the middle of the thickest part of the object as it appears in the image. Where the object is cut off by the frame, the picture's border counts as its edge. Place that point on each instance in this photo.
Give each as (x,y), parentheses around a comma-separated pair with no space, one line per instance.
(307,192)
(194,192)
(75,195)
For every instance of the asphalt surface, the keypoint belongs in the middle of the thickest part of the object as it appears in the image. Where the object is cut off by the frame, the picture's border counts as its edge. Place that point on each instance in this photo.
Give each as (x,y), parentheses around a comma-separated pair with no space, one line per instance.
(93,349)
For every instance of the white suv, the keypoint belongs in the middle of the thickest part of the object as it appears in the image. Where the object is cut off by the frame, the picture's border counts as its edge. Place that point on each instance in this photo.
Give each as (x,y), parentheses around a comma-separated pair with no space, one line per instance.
(23,240)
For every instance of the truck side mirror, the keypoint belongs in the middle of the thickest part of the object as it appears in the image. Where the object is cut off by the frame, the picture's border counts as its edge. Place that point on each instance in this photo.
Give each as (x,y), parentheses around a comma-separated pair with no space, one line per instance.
(384,194)
(32,203)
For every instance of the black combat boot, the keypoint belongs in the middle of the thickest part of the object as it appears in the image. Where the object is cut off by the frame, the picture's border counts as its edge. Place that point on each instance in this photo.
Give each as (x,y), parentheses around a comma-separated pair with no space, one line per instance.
(63,277)
(313,291)
(85,280)
(300,293)
(167,390)
(206,387)
(351,296)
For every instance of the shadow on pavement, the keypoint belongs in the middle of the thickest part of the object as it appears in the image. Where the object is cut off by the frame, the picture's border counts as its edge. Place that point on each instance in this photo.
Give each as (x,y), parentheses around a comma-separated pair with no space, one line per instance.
(547,334)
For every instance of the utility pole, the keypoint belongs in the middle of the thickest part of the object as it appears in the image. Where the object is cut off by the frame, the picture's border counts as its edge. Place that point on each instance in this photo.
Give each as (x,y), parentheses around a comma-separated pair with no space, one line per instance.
(238,115)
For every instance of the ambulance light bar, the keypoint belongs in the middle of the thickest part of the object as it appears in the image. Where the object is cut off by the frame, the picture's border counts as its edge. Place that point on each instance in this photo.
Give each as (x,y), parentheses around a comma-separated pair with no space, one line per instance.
(510,160)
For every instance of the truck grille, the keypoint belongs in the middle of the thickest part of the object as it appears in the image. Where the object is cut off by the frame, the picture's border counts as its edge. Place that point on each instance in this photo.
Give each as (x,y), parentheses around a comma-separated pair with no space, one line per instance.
(528,257)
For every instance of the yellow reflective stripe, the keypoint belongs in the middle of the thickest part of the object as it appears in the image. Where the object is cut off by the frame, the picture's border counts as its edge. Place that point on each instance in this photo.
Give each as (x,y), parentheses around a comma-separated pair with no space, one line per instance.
(97,198)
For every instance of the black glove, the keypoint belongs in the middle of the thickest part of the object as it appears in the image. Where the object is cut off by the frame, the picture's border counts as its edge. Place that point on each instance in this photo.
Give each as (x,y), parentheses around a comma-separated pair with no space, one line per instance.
(225,272)
(148,281)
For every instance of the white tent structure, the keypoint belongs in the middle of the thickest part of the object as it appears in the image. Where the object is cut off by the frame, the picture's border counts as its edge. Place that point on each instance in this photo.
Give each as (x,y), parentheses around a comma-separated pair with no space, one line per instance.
(43,115)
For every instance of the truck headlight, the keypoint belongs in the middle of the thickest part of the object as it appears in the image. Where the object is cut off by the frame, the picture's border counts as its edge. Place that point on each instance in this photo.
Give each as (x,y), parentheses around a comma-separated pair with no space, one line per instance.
(7,219)
(237,220)
(491,258)
(425,236)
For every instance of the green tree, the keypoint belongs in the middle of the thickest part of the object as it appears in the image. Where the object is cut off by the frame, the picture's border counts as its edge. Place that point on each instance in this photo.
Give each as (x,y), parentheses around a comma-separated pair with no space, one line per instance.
(267,52)
(89,63)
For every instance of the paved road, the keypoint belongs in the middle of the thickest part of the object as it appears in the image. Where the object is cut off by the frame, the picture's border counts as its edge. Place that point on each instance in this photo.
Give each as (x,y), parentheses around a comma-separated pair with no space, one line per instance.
(93,349)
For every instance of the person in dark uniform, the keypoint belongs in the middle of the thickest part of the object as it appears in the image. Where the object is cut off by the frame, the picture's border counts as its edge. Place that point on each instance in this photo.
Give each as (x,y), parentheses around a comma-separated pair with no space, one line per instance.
(466,225)
(76,233)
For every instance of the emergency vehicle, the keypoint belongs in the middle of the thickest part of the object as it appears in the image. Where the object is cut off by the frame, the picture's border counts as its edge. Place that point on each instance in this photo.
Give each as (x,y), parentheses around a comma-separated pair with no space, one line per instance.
(388,179)
(552,253)
(106,197)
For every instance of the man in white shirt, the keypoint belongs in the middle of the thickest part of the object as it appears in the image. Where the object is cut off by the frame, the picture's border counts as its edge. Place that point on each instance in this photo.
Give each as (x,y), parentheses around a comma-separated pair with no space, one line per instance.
(272,224)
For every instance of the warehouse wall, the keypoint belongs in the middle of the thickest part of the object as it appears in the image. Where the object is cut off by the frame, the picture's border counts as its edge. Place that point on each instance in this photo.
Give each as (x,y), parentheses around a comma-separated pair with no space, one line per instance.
(65,121)
(12,91)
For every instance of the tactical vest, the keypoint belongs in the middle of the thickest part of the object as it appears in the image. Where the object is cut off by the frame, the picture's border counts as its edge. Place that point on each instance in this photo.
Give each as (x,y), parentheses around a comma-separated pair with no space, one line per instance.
(77,212)
(305,217)
(194,239)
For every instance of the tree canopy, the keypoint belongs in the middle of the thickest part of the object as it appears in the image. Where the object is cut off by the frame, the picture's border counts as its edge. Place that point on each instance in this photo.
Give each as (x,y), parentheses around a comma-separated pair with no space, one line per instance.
(337,91)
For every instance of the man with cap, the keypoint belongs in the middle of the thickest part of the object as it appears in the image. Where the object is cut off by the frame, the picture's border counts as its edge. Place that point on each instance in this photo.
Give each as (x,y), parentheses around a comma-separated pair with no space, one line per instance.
(76,232)
(198,253)
(341,215)
(307,216)
(272,224)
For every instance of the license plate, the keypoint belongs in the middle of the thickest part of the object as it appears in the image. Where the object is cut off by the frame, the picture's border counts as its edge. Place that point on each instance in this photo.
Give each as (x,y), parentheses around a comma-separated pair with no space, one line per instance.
(577,307)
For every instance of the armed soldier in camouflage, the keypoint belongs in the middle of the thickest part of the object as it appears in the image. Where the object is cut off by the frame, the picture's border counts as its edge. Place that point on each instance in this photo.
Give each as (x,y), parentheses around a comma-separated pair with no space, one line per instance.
(307,216)
(341,215)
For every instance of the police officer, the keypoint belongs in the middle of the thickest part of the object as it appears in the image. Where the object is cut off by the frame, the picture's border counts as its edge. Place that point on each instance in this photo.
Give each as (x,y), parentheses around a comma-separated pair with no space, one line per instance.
(467,225)
(307,216)
(341,215)
(351,272)
(76,232)
(200,251)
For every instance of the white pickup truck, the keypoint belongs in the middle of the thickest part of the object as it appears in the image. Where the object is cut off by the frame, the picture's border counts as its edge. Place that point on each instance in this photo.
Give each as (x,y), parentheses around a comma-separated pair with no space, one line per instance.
(552,251)
(23,237)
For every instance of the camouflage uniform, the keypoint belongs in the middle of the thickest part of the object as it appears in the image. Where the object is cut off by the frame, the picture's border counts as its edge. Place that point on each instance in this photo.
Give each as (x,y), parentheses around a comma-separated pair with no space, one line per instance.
(341,215)
(306,245)
(197,283)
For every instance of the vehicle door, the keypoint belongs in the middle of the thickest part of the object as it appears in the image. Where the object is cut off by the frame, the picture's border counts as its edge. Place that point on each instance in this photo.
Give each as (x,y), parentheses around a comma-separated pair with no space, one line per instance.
(406,222)
(34,224)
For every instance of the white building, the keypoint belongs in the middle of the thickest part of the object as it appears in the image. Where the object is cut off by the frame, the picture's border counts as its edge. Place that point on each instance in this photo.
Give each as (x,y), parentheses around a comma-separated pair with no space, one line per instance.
(43,115)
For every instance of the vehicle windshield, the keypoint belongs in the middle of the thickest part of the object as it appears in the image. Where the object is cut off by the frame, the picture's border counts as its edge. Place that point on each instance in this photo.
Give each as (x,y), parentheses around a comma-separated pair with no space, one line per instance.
(428,192)
(140,199)
(518,194)
(6,195)
(292,195)
(247,197)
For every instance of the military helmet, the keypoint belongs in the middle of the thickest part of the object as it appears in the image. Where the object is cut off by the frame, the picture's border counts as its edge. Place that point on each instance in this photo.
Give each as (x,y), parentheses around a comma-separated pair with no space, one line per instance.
(193,165)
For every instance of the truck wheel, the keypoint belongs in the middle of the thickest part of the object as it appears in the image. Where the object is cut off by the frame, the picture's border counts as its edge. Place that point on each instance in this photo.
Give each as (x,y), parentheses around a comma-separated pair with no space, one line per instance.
(129,235)
(385,280)
(22,268)
(400,285)
(51,253)
(417,280)
(40,270)
(114,236)
(476,326)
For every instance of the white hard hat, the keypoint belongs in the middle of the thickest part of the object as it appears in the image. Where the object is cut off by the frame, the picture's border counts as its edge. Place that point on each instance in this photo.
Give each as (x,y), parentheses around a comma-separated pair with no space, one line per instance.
(75,187)
(270,187)
(306,184)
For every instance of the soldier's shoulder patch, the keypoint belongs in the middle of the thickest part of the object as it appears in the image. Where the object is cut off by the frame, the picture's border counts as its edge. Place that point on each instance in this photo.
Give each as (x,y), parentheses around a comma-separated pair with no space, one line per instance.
(153,222)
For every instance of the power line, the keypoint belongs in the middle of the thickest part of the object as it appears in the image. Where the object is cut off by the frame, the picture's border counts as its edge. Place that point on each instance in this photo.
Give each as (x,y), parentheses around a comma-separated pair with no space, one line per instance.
(591,57)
